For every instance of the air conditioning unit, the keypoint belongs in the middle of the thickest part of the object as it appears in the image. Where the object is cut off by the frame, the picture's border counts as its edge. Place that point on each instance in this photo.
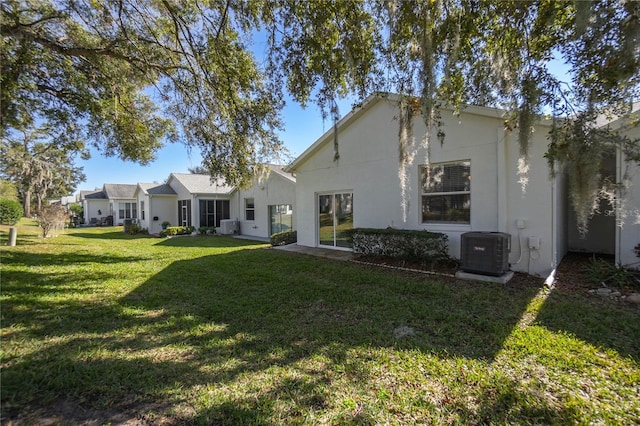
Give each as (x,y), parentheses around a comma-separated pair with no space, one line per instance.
(485,253)
(228,226)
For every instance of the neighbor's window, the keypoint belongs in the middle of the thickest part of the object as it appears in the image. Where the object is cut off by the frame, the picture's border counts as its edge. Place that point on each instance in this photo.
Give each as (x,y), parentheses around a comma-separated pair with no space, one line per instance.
(127,211)
(142,210)
(446,192)
(249,209)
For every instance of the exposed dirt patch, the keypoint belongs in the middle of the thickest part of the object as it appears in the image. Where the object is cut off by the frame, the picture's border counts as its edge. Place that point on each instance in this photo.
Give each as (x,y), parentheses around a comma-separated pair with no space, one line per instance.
(573,274)
(443,268)
(63,412)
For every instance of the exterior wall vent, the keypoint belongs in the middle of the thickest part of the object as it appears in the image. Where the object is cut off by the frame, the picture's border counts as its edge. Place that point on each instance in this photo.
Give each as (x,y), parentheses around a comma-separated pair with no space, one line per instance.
(485,253)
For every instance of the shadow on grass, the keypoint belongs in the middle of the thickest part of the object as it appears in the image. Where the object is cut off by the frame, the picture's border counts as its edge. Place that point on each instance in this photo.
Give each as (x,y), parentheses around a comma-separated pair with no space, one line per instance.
(602,323)
(14,258)
(211,321)
(111,233)
(207,241)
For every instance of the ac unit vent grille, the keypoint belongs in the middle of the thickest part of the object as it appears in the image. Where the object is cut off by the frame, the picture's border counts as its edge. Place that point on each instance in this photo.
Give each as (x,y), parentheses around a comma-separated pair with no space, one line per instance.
(485,253)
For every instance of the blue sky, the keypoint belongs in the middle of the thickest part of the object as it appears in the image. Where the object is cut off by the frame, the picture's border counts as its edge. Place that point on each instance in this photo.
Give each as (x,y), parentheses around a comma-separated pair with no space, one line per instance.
(301,128)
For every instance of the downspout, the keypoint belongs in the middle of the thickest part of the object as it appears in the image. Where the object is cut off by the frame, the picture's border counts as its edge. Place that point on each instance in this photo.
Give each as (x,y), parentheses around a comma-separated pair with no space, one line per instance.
(501,182)
(549,281)
(619,218)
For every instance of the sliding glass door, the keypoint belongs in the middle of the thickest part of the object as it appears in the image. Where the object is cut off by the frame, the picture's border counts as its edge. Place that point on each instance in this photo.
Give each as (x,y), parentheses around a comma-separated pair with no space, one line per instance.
(335,219)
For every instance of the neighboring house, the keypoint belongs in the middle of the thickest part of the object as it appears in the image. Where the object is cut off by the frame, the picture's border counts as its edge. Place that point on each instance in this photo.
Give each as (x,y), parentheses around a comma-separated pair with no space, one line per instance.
(267,206)
(199,200)
(114,199)
(122,202)
(195,200)
(95,206)
(469,183)
(156,204)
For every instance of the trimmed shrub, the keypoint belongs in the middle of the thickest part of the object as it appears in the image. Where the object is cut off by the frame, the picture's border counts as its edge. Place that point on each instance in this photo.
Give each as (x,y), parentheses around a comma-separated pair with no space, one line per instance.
(400,243)
(177,230)
(10,211)
(284,238)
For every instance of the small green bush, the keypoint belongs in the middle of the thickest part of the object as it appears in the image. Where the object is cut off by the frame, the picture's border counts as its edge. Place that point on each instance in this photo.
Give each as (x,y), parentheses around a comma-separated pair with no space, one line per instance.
(135,229)
(10,212)
(284,238)
(177,230)
(400,243)
(207,230)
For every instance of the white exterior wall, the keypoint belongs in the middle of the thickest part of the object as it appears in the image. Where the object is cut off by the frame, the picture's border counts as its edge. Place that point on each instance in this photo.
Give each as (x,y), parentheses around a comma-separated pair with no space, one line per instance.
(369,165)
(164,207)
(276,189)
(628,232)
(91,207)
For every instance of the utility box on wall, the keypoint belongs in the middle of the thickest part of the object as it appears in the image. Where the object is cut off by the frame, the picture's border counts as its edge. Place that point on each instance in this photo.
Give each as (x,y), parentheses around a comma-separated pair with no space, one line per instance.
(485,253)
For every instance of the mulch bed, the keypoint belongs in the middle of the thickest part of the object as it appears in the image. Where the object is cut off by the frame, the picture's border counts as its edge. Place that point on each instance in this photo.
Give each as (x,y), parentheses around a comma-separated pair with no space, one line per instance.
(572,274)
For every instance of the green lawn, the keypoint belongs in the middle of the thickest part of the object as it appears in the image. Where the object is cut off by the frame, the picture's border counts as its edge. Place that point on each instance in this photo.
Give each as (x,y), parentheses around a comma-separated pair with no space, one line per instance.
(100,325)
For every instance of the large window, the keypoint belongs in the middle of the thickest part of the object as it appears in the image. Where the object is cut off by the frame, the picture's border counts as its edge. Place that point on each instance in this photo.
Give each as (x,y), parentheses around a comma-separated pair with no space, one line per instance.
(127,211)
(212,211)
(249,209)
(446,192)
(281,218)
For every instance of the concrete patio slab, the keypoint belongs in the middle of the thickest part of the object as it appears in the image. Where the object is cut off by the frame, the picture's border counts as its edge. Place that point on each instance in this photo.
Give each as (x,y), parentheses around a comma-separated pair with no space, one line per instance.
(318,252)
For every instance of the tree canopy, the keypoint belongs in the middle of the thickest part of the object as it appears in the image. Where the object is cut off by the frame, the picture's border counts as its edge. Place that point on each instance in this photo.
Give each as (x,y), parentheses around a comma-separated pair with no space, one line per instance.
(131,75)
(40,167)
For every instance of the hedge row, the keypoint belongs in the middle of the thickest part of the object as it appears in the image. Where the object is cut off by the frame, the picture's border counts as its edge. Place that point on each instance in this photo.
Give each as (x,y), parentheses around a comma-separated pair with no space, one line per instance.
(400,243)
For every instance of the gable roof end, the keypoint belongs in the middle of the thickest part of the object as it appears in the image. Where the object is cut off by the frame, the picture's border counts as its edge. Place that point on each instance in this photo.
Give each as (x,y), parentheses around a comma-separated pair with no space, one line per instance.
(119,190)
(202,184)
(156,189)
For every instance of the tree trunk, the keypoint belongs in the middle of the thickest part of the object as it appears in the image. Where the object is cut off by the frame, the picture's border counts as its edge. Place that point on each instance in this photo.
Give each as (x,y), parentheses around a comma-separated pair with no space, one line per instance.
(26,203)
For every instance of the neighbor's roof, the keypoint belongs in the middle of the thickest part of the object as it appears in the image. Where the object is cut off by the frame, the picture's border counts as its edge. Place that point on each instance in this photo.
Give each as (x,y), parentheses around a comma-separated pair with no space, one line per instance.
(119,190)
(156,189)
(280,170)
(97,194)
(202,184)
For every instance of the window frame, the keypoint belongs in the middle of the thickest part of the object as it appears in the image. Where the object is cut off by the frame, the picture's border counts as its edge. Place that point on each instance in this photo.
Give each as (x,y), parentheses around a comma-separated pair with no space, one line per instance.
(127,210)
(250,210)
(424,194)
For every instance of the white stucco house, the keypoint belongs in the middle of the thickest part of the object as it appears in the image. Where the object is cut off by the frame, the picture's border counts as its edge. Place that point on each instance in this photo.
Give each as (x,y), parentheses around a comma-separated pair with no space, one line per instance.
(156,204)
(114,199)
(266,207)
(473,183)
(200,201)
(94,205)
(263,208)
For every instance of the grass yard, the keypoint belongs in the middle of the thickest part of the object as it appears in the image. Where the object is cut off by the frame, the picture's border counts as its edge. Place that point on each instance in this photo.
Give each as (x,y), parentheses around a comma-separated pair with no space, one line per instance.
(100,327)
